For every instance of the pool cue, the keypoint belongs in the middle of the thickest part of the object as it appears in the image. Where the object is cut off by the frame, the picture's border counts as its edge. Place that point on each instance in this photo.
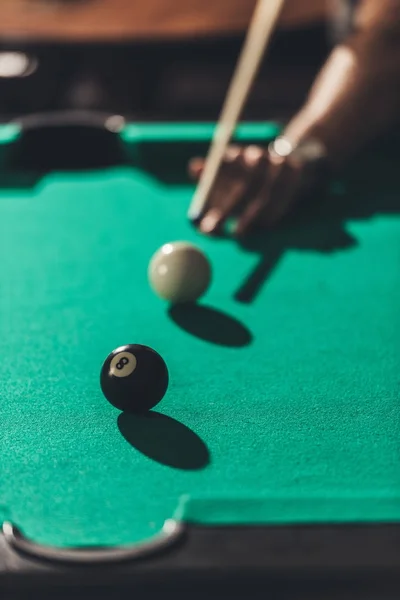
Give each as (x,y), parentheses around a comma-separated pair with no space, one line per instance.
(258,36)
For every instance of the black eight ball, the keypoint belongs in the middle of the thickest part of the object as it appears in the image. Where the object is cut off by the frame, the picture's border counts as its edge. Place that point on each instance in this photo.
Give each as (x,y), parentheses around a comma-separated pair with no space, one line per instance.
(134,378)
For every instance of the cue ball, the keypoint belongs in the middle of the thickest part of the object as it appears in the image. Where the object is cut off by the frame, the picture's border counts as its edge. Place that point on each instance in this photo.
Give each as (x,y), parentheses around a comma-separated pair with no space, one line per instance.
(134,378)
(179,272)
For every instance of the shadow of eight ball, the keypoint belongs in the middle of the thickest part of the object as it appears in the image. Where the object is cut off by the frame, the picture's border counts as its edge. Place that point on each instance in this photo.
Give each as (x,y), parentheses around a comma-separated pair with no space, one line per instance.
(134,378)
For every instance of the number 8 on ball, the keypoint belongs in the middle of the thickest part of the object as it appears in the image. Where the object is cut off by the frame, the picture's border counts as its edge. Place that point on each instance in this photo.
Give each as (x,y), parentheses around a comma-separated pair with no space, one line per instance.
(123,364)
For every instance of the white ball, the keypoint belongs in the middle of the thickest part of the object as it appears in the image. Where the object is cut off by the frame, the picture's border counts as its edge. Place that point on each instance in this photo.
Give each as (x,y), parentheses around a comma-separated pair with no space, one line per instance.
(179,272)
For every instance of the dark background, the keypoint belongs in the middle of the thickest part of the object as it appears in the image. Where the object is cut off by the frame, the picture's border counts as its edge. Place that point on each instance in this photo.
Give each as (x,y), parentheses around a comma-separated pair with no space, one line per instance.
(179,81)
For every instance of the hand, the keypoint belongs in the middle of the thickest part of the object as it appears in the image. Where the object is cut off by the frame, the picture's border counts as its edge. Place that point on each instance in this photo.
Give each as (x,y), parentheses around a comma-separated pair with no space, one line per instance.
(355,98)
(254,185)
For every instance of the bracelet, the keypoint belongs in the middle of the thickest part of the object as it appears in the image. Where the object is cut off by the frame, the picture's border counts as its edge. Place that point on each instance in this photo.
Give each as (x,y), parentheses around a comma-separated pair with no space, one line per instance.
(311,153)
(308,150)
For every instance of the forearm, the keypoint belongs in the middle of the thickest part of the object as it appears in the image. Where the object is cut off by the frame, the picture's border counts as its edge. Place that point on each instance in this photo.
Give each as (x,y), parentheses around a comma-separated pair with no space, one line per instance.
(378,17)
(363,71)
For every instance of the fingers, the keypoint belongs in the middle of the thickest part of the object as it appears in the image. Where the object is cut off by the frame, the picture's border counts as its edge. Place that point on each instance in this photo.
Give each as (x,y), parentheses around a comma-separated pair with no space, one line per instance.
(236,175)
(196,165)
(274,199)
(250,182)
(226,196)
(250,217)
(212,221)
(283,195)
(258,205)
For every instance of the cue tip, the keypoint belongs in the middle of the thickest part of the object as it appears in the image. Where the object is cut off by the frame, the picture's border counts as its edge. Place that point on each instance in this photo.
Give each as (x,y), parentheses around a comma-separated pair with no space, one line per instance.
(197,206)
(194,215)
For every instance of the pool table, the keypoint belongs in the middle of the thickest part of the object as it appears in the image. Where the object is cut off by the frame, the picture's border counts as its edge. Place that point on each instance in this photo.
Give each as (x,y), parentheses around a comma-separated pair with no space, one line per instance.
(271,468)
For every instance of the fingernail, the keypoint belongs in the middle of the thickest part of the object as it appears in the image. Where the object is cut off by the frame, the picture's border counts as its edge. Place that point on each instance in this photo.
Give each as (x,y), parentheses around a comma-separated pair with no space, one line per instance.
(252,155)
(210,221)
(232,153)
(196,163)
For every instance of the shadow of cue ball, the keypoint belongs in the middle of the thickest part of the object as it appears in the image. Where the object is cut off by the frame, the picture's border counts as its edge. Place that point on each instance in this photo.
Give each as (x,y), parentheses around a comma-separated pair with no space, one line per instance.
(210,325)
(164,440)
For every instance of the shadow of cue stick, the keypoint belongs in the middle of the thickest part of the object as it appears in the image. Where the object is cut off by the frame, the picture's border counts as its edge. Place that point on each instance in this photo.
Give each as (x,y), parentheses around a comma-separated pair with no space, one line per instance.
(251,287)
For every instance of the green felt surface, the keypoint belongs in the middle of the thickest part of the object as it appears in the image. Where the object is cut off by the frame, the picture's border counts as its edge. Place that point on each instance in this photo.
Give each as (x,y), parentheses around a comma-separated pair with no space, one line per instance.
(283,408)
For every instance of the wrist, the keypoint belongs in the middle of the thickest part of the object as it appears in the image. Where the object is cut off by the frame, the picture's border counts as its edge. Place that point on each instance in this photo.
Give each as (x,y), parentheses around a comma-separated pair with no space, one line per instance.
(304,128)
(308,158)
